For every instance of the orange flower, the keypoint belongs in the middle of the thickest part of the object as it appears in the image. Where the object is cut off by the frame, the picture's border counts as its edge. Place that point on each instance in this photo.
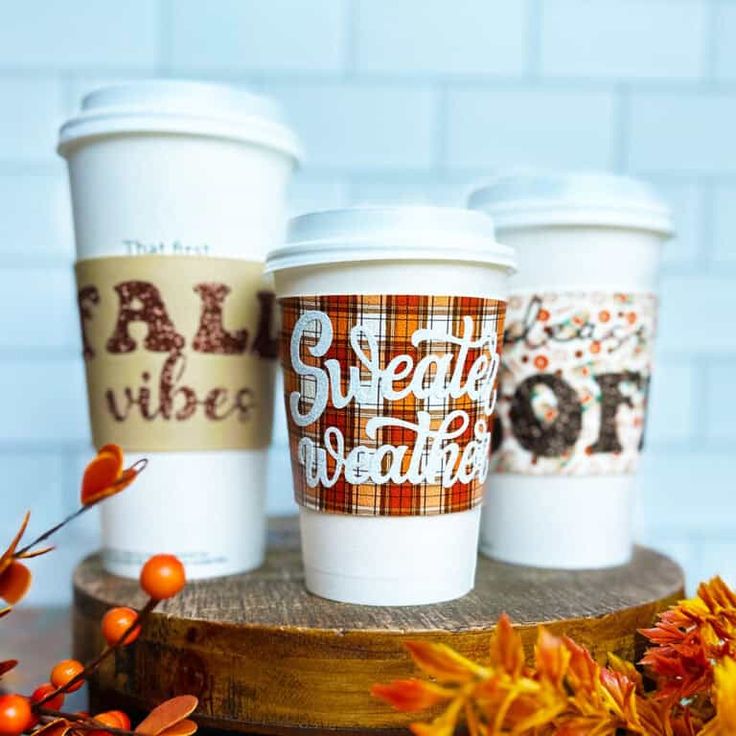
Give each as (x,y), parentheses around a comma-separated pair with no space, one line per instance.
(689,637)
(565,693)
(105,476)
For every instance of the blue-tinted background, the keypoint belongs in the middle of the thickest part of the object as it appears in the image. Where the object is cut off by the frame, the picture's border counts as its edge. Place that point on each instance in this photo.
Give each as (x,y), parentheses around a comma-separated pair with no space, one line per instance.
(408,100)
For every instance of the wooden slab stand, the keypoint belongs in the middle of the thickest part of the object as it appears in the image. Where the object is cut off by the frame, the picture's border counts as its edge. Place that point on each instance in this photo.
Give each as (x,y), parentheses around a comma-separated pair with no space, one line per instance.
(264,656)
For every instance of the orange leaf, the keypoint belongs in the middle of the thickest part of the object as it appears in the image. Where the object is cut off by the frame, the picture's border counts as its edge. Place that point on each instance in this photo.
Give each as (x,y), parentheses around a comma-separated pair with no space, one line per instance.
(14,582)
(627,669)
(620,692)
(115,450)
(725,693)
(183,728)
(412,695)
(166,715)
(443,725)
(37,553)
(58,727)
(443,663)
(7,556)
(9,664)
(104,476)
(507,651)
(551,656)
(583,669)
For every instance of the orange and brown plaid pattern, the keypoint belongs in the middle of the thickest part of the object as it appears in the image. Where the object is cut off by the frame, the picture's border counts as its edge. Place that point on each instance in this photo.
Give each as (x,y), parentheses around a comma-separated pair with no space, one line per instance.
(367,333)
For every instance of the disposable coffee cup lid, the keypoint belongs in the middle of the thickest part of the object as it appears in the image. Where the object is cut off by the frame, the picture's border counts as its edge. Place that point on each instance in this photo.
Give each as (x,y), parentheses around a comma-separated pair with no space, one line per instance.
(173,106)
(390,234)
(538,199)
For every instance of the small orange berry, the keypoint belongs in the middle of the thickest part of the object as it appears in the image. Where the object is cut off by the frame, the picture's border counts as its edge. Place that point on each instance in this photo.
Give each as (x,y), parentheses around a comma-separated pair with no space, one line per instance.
(46,689)
(116,622)
(64,672)
(114,719)
(541,362)
(543,315)
(123,719)
(15,715)
(163,577)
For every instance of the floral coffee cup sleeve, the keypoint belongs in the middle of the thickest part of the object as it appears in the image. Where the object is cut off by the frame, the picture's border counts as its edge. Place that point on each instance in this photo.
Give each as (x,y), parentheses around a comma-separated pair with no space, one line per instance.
(574,382)
(390,400)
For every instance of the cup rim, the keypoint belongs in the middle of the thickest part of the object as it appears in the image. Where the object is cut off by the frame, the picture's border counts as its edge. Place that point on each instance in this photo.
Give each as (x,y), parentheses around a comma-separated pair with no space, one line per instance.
(390,233)
(180,107)
(531,198)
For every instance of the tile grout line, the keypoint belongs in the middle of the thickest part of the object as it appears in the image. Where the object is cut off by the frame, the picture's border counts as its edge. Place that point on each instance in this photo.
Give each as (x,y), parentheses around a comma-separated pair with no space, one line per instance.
(534,13)
(164,38)
(621,128)
(710,41)
(350,52)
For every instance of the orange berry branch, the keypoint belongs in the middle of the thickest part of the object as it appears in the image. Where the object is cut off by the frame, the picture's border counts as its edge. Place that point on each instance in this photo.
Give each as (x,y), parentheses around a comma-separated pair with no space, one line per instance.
(162,577)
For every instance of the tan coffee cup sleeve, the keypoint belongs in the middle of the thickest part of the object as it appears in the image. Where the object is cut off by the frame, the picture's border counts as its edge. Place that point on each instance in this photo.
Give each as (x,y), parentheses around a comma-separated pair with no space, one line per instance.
(179,352)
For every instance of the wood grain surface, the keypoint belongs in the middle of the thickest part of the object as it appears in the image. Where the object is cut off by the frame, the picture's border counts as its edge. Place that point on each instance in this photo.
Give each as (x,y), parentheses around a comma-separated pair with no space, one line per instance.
(264,656)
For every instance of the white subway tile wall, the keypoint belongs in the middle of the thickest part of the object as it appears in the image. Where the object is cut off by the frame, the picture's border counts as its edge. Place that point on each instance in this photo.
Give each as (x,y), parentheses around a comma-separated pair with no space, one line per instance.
(396,100)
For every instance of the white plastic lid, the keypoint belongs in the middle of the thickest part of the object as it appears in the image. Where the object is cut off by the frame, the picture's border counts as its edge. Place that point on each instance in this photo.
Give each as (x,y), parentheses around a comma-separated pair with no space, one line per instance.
(173,106)
(537,199)
(390,234)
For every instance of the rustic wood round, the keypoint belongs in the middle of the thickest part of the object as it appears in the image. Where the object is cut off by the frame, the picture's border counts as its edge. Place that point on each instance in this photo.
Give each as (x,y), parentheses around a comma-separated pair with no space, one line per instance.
(264,656)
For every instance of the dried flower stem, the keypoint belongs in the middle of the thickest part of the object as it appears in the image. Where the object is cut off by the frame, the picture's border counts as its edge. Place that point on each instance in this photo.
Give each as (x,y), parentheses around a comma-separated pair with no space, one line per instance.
(138,466)
(90,668)
(51,532)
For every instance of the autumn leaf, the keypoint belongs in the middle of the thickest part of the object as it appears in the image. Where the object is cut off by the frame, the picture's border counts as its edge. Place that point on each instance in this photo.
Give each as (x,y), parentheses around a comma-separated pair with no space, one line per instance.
(15,582)
(57,727)
(183,728)
(551,657)
(724,693)
(443,663)
(444,725)
(627,669)
(507,651)
(15,578)
(9,555)
(412,695)
(167,715)
(104,476)
(7,666)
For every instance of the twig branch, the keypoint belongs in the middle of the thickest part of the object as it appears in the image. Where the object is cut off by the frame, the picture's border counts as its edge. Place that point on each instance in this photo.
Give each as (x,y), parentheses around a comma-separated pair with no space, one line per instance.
(51,532)
(101,657)
(83,723)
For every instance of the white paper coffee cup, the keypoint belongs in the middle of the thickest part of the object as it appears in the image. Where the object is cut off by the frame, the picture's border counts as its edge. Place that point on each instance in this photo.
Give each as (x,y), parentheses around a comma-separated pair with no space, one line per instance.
(576,367)
(379,307)
(181,185)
